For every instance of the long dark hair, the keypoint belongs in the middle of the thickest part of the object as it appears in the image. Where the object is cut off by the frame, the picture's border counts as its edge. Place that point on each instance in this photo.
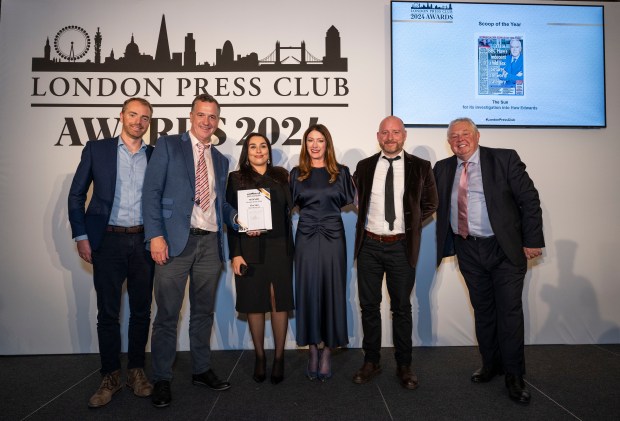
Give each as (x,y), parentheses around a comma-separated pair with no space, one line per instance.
(244,163)
(247,173)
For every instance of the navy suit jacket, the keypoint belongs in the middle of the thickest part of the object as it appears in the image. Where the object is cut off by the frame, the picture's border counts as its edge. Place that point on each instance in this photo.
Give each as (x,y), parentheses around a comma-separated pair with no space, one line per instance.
(169,191)
(511,198)
(512,69)
(419,200)
(98,166)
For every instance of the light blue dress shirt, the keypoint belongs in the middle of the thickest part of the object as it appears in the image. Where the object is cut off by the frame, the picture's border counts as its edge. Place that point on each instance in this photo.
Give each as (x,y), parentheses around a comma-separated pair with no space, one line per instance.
(127,205)
(477,214)
(130,170)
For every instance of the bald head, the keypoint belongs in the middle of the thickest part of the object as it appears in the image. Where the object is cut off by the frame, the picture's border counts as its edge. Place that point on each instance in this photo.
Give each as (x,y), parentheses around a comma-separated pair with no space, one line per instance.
(391,136)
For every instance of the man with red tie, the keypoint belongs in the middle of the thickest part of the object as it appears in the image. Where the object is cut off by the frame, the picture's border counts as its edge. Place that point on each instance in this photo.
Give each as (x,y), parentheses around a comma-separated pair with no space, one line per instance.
(489,215)
(185,210)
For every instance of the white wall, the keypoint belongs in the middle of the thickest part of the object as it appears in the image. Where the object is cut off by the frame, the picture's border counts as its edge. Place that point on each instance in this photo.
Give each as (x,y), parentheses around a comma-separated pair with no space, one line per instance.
(47,302)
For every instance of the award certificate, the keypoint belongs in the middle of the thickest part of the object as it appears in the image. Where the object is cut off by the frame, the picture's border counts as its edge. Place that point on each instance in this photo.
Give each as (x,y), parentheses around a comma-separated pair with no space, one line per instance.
(254,210)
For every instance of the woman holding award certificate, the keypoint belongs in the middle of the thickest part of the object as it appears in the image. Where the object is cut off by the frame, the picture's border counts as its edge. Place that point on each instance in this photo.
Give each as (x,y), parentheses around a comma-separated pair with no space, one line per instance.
(320,187)
(262,259)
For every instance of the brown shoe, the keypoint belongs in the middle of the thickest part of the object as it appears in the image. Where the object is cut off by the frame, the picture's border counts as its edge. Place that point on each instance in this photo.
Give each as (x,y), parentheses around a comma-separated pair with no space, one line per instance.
(137,381)
(110,384)
(408,380)
(366,373)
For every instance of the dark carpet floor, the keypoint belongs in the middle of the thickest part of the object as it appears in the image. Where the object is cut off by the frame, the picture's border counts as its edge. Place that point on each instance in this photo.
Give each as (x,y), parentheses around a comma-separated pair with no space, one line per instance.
(567,383)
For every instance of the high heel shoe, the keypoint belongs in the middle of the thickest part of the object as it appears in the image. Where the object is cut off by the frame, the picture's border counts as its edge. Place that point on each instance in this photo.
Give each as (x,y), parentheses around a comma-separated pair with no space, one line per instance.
(277,371)
(260,369)
(313,362)
(325,376)
(311,375)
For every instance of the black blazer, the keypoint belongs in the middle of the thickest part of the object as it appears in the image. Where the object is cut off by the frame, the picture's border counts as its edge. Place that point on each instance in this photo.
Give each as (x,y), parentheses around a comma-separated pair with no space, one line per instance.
(419,200)
(98,166)
(512,203)
(253,248)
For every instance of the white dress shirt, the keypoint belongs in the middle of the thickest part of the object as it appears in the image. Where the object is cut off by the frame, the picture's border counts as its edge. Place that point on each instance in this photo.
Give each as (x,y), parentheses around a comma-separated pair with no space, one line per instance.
(375,220)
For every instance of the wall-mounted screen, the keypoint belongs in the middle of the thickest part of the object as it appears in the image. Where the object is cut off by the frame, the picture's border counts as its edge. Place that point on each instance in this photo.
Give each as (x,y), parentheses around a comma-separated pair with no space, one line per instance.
(512,65)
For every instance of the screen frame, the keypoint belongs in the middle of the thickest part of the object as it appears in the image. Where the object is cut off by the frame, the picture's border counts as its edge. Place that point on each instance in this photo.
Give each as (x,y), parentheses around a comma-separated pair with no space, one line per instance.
(535,126)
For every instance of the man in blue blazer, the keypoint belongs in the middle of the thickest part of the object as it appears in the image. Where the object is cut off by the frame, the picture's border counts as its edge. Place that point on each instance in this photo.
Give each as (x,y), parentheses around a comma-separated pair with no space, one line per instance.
(110,235)
(494,230)
(184,212)
(512,69)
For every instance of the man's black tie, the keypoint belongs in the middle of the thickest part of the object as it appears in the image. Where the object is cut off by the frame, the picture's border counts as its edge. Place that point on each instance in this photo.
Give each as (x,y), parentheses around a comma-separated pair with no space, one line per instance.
(390,212)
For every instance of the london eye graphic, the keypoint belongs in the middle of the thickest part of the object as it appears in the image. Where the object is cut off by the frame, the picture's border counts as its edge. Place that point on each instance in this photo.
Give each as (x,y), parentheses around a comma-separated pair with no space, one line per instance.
(72,43)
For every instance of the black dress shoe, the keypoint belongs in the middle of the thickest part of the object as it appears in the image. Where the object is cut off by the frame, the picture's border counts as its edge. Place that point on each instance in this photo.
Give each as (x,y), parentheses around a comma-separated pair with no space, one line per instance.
(485,374)
(260,368)
(408,380)
(161,396)
(366,373)
(517,390)
(277,371)
(209,379)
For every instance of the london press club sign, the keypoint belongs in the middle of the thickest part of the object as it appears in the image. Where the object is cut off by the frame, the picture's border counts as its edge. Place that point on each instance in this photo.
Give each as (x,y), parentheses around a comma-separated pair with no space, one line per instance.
(77,69)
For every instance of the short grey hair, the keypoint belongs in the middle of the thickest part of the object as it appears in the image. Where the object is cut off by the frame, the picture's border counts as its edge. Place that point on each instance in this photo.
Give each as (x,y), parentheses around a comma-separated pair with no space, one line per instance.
(463,120)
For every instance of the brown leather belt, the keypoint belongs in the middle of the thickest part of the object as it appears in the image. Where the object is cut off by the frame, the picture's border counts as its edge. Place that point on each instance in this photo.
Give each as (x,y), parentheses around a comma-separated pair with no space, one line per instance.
(198,231)
(385,238)
(125,230)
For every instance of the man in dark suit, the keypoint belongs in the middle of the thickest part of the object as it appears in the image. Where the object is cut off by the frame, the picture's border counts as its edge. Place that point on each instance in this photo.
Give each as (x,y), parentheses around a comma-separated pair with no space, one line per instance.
(184,212)
(110,235)
(489,216)
(396,193)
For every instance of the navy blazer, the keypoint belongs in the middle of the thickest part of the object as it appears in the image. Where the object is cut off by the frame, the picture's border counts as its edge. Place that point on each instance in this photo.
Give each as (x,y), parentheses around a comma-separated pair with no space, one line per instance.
(98,166)
(512,203)
(512,69)
(419,200)
(169,190)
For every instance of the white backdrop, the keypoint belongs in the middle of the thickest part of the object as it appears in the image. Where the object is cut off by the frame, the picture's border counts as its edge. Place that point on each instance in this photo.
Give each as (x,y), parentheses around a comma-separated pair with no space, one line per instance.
(47,301)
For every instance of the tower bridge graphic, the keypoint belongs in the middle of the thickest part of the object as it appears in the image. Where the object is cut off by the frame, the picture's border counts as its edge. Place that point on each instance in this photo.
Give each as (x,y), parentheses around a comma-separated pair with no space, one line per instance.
(281,58)
(305,55)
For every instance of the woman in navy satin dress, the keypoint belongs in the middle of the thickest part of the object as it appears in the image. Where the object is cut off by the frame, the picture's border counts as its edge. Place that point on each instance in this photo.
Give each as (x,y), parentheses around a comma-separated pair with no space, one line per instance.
(320,188)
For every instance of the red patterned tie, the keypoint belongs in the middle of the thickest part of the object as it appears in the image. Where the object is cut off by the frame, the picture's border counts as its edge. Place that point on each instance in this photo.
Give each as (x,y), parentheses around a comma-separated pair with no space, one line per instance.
(462,203)
(202,179)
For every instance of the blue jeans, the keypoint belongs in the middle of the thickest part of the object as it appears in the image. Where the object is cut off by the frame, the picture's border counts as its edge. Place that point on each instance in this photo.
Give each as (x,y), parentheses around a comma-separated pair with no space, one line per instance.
(200,261)
(122,256)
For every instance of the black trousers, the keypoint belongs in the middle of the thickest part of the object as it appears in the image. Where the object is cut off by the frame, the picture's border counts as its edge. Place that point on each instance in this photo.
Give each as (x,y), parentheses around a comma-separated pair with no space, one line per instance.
(495,287)
(375,260)
(122,256)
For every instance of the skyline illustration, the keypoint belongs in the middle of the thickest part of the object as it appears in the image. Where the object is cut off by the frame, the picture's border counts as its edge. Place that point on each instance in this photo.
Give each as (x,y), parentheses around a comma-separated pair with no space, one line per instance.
(281,58)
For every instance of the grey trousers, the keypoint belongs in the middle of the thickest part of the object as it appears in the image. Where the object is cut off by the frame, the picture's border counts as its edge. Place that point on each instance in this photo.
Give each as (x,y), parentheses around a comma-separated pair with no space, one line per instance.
(200,261)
